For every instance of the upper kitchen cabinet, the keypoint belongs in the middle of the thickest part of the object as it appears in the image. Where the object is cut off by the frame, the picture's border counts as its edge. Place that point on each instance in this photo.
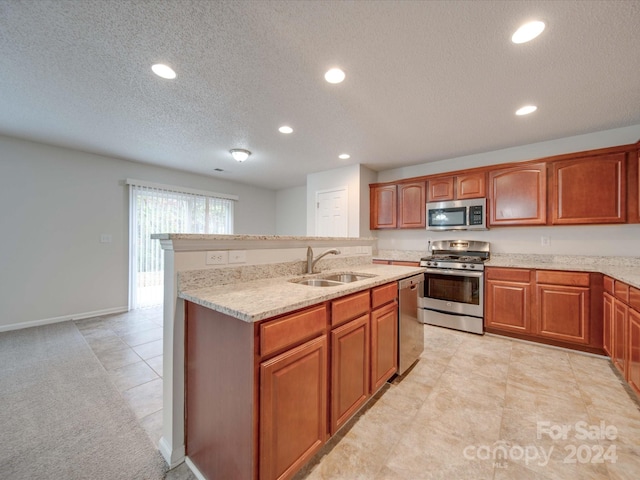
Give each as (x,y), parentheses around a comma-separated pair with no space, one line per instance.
(384,206)
(518,195)
(411,205)
(460,187)
(399,205)
(589,190)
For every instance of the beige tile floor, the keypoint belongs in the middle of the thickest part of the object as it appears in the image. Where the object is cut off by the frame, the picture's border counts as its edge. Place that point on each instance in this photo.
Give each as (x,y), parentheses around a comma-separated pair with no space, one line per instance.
(473,407)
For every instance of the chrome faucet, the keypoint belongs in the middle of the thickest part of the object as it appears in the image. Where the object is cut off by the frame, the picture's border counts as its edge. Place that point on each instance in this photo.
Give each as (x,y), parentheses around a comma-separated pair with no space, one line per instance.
(311,262)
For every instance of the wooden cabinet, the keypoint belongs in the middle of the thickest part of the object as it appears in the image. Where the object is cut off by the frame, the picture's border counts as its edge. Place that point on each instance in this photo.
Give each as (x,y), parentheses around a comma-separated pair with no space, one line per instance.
(607,323)
(383,206)
(633,350)
(440,189)
(293,408)
(563,306)
(508,299)
(589,190)
(384,344)
(400,205)
(517,195)
(619,335)
(411,205)
(459,187)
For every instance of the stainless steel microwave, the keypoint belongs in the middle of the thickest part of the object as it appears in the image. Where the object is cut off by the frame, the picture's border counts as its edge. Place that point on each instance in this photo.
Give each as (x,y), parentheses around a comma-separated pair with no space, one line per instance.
(457,215)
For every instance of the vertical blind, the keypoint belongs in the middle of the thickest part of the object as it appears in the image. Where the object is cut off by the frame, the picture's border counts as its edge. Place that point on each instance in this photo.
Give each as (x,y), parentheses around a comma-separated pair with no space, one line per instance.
(159,210)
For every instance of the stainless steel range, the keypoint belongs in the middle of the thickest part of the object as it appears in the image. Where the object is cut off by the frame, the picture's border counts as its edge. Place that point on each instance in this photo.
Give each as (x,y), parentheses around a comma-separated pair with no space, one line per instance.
(453,291)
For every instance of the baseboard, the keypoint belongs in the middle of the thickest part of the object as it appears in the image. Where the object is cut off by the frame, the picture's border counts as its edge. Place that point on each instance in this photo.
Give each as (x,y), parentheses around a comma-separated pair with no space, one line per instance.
(194,469)
(173,458)
(64,318)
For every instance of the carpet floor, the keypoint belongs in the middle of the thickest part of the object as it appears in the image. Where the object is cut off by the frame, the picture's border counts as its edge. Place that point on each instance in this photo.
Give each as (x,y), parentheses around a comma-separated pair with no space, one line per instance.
(60,415)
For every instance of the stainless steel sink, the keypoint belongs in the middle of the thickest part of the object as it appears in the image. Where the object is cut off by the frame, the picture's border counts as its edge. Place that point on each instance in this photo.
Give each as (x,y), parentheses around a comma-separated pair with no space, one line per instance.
(331,280)
(317,282)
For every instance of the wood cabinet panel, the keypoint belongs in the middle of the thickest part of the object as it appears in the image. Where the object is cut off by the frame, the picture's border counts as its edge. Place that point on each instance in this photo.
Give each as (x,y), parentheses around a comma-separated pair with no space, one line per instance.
(619,335)
(412,205)
(621,291)
(634,298)
(607,323)
(608,284)
(521,275)
(349,307)
(383,294)
(293,408)
(383,205)
(518,195)
(285,332)
(440,189)
(589,190)
(384,344)
(508,305)
(350,361)
(563,313)
(472,185)
(555,277)
(633,351)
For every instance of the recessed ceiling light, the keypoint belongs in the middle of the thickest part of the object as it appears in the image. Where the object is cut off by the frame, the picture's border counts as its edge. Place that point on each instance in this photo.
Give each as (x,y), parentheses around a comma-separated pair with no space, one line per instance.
(163,71)
(526,110)
(335,75)
(240,154)
(285,129)
(528,32)
(344,156)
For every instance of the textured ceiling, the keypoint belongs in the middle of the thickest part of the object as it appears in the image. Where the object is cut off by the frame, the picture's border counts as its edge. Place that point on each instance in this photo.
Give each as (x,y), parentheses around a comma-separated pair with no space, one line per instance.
(426,80)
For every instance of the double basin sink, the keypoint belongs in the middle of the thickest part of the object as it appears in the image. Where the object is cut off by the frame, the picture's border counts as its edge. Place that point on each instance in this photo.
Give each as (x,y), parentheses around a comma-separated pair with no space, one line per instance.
(331,280)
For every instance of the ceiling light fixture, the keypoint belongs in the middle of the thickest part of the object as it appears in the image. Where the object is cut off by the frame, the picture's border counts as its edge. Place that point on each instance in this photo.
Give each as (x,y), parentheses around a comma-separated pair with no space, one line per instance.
(344,156)
(528,32)
(239,154)
(285,129)
(526,110)
(335,75)
(163,71)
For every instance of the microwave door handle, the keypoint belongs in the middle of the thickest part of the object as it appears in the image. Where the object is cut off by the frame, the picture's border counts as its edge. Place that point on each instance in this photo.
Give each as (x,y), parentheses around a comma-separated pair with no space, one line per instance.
(459,273)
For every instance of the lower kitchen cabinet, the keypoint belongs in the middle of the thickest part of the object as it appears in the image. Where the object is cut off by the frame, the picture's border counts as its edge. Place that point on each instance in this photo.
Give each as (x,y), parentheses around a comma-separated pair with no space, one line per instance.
(633,350)
(619,335)
(293,408)
(508,300)
(607,323)
(384,344)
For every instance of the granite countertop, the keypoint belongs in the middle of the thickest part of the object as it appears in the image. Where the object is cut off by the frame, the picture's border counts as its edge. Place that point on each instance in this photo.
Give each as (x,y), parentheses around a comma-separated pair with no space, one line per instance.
(260,299)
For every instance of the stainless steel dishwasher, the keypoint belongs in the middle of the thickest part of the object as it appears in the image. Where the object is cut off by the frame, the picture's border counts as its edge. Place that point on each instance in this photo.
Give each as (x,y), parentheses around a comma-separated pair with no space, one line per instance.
(410,330)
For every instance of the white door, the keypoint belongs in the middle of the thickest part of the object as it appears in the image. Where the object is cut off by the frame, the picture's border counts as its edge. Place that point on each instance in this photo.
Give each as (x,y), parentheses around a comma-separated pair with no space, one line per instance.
(331,213)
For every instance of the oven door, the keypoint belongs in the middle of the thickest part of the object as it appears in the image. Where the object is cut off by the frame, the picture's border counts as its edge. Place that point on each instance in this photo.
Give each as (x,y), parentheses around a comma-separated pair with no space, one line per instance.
(453,291)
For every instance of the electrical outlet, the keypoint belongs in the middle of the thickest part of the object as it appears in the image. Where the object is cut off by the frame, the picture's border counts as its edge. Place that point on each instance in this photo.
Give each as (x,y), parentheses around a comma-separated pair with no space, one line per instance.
(220,257)
(545,241)
(237,256)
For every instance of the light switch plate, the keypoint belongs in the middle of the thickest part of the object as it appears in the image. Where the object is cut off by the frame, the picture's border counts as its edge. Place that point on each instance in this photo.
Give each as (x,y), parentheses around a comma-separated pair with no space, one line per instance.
(237,256)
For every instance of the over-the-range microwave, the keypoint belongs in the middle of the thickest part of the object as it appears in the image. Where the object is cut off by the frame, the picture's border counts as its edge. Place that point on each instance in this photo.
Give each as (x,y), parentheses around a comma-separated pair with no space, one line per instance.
(457,215)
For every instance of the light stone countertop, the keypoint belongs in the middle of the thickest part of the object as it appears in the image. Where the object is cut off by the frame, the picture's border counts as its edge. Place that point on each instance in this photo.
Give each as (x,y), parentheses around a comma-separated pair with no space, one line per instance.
(265,298)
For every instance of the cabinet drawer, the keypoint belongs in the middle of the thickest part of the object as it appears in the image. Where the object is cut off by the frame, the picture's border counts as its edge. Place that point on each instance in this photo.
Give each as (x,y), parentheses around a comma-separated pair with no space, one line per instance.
(634,298)
(608,285)
(508,274)
(349,307)
(384,294)
(562,278)
(621,291)
(291,330)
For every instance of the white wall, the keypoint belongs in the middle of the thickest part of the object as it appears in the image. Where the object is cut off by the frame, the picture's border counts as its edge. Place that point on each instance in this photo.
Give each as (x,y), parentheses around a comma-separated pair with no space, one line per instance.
(356,178)
(291,211)
(620,240)
(55,204)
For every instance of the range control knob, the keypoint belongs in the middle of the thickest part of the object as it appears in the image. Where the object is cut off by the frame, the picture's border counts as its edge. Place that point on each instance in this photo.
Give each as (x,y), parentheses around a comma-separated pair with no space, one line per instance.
(472,266)
(464,265)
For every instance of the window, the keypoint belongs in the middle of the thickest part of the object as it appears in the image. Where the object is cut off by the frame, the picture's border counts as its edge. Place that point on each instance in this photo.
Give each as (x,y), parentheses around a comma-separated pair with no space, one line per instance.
(165,209)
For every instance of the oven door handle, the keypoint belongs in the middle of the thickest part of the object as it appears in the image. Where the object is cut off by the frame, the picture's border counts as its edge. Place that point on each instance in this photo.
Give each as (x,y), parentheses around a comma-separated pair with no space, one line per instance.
(458,273)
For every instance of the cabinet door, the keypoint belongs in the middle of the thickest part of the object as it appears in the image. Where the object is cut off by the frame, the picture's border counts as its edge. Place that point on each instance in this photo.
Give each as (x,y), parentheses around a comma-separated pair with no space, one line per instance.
(589,190)
(508,306)
(563,313)
(384,207)
(411,205)
(440,189)
(384,344)
(607,323)
(518,196)
(293,408)
(619,335)
(349,370)
(470,186)
(633,351)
